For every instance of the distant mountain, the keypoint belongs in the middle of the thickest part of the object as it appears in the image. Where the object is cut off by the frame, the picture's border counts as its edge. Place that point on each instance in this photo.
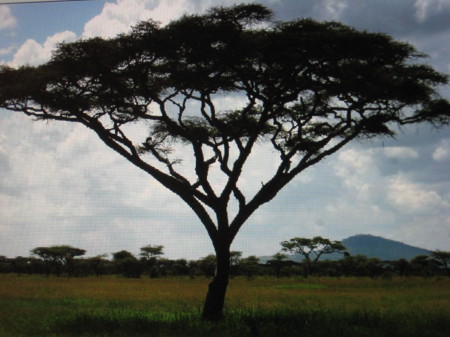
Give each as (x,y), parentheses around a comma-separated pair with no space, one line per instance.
(370,246)
(384,249)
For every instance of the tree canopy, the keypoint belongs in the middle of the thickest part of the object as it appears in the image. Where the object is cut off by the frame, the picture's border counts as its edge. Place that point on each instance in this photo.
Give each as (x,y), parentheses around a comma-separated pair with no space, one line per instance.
(58,257)
(306,88)
(150,252)
(312,249)
(60,254)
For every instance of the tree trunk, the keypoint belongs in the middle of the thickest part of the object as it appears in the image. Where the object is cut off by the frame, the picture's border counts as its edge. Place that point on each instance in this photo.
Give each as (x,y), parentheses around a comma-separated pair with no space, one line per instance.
(215,298)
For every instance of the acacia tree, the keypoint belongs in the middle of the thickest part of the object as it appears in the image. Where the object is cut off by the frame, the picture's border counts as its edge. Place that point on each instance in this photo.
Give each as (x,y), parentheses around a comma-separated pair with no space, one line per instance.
(58,257)
(150,255)
(312,249)
(307,89)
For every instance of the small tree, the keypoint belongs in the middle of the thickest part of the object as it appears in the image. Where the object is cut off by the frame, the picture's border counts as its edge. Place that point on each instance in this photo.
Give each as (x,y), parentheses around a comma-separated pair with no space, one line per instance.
(250,266)
(207,265)
(151,252)
(97,264)
(308,89)
(424,265)
(69,254)
(58,257)
(402,266)
(6,265)
(443,259)
(372,267)
(150,255)
(235,262)
(20,265)
(277,263)
(312,249)
(179,267)
(127,264)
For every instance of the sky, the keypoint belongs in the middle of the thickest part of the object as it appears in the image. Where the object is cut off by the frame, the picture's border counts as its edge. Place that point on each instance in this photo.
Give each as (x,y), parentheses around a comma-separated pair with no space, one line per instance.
(60,185)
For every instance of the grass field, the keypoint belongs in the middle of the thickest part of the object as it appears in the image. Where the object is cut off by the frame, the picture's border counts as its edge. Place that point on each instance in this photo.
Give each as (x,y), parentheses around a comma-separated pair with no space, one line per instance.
(111,306)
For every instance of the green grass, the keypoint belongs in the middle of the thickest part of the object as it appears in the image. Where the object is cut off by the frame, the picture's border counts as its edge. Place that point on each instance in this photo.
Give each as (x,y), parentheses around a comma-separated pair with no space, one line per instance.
(116,307)
(300,286)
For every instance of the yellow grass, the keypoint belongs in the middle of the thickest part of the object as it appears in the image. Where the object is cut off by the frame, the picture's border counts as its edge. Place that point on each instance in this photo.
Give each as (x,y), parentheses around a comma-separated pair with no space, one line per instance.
(354,293)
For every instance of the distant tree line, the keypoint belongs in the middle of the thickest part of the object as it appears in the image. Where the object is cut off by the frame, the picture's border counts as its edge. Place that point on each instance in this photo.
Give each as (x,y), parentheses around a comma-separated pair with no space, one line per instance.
(69,261)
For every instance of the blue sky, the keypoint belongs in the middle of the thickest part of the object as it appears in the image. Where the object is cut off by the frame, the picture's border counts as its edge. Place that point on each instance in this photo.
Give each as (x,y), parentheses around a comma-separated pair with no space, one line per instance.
(39,21)
(60,185)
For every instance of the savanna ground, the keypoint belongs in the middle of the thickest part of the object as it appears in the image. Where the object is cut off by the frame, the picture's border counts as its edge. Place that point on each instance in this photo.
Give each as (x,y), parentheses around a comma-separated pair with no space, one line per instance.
(265,306)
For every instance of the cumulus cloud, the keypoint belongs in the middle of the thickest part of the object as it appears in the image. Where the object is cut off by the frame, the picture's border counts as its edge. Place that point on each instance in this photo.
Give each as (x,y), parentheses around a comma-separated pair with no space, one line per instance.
(7,20)
(442,151)
(6,50)
(119,16)
(358,171)
(437,231)
(115,18)
(357,161)
(399,152)
(33,53)
(60,184)
(427,8)
(413,197)
(390,203)
(329,9)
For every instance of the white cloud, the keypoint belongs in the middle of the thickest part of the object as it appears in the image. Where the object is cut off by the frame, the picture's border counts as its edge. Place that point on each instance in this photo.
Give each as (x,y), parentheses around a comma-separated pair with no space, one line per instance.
(358,216)
(329,9)
(120,16)
(7,20)
(435,235)
(355,160)
(413,197)
(442,151)
(426,8)
(33,53)
(358,171)
(6,50)
(399,152)
(60,184)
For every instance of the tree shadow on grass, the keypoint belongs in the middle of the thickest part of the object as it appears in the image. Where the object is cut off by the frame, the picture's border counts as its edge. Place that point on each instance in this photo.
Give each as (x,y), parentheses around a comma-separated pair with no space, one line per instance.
(310,323)
(150,325)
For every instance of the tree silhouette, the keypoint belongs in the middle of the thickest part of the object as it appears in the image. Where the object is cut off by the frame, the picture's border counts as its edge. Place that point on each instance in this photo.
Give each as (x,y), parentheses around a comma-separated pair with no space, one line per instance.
(443,259)
(307,89)
(58,257)
(150,255)
(207,265)
(151,252)
(127,264)
(235,261)
(250,266)
(312,249)
(278,262)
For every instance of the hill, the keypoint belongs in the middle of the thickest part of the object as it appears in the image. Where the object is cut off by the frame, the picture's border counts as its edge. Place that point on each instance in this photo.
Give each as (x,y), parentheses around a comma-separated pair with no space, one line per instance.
(371,246)
(384,249)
